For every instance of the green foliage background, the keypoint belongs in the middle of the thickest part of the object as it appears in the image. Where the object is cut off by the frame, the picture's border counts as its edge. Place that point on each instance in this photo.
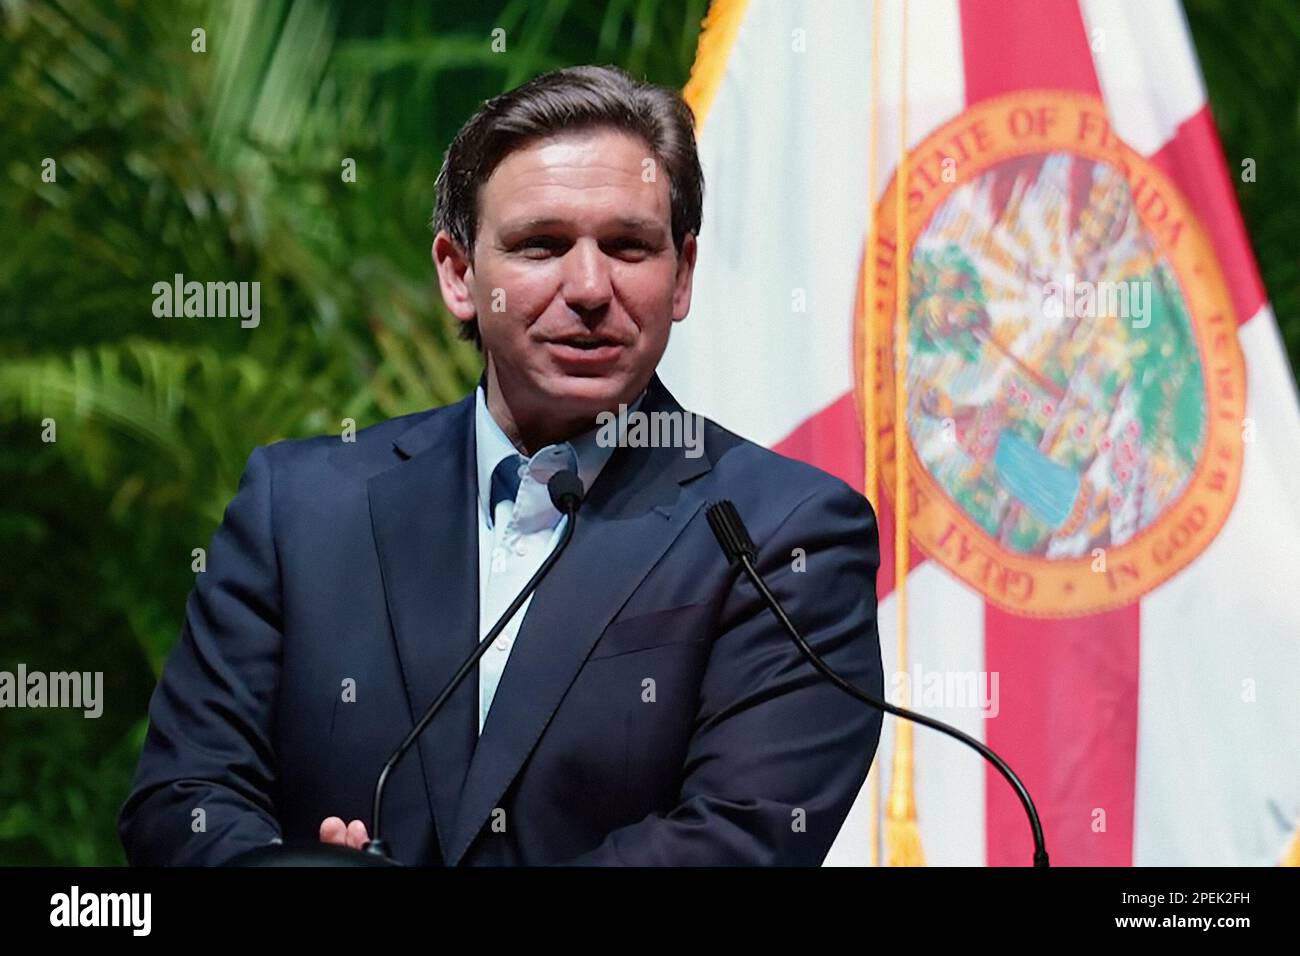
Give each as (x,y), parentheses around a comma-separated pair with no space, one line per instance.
(227,165)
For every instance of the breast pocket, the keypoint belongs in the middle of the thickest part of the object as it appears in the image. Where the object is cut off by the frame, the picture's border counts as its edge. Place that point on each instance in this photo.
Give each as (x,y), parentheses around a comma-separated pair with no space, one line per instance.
(687,625)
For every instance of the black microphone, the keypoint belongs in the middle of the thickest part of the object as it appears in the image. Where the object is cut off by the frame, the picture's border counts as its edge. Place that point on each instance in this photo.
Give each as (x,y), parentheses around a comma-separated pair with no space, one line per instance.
(566,492)
(565,489)
(739,548)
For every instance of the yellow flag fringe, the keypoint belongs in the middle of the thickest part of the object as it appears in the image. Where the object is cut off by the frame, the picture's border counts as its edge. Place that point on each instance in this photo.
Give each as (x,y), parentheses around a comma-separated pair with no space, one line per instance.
(1291,857)
(712,50)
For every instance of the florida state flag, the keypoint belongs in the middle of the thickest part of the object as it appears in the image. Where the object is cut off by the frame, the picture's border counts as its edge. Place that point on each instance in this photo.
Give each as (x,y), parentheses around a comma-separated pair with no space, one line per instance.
(1008,226)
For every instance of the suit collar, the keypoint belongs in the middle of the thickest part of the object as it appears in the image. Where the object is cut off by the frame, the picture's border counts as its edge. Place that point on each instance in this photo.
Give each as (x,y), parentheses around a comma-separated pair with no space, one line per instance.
(423,511)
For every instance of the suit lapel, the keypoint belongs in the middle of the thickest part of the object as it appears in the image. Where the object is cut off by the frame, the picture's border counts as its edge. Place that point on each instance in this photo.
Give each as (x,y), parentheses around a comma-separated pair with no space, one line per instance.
(426,531)
(633,512)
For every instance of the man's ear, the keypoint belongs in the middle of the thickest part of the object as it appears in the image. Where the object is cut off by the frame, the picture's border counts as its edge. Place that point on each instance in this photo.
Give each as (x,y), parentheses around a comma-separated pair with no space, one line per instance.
(685,276)
(455,275)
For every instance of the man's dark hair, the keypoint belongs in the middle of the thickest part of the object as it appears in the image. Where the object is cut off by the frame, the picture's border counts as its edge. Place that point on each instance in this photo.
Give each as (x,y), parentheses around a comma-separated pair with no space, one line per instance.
(565,101)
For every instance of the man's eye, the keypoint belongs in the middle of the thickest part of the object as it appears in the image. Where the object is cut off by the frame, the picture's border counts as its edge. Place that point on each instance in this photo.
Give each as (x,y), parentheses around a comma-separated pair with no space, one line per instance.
(633,246)
(539,243)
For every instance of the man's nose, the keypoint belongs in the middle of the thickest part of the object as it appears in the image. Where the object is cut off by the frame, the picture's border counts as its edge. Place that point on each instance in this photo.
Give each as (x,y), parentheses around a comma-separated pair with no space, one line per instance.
(586,283)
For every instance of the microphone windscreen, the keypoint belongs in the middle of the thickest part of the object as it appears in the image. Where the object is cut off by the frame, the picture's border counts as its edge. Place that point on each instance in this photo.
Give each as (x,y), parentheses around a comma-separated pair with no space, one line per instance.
(566,490)
(730,531)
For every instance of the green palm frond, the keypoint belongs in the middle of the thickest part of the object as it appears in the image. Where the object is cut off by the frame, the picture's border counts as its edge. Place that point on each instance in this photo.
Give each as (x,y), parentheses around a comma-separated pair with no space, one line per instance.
(170,418)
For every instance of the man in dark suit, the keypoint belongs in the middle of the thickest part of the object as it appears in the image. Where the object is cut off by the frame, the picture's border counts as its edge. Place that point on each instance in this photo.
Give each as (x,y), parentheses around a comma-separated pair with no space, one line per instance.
(644,707)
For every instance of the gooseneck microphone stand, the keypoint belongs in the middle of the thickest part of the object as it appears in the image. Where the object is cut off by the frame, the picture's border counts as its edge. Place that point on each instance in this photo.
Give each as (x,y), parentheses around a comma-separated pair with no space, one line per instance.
(566,494)
(739,548)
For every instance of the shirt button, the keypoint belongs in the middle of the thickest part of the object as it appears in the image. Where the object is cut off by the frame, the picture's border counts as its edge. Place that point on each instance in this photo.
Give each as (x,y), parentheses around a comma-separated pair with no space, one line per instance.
(521,549)
(502,643)
(523,470)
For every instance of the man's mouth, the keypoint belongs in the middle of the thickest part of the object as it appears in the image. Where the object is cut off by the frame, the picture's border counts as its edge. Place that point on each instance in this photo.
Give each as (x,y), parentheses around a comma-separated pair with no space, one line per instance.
(585,342)
(586,351)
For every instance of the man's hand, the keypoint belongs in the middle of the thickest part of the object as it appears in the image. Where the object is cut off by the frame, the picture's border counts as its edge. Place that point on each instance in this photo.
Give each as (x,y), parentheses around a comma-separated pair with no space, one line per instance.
(334,830)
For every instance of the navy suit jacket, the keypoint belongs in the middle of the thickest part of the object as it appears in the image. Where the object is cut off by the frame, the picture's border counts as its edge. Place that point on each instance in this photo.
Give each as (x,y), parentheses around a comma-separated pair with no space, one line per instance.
(653,711)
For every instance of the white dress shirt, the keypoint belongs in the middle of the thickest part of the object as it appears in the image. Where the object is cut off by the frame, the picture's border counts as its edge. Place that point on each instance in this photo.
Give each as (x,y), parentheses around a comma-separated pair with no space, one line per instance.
(513,542)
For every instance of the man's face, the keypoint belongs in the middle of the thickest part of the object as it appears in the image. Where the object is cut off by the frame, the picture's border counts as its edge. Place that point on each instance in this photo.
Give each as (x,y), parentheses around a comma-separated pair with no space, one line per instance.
(575,280)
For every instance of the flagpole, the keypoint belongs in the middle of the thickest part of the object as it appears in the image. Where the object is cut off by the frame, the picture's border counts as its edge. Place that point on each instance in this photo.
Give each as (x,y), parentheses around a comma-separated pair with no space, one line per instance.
(902,836)
(871,479)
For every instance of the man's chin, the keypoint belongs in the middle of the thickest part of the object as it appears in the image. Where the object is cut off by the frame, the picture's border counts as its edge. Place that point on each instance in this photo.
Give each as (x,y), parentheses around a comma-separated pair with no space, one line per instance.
(588,394)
